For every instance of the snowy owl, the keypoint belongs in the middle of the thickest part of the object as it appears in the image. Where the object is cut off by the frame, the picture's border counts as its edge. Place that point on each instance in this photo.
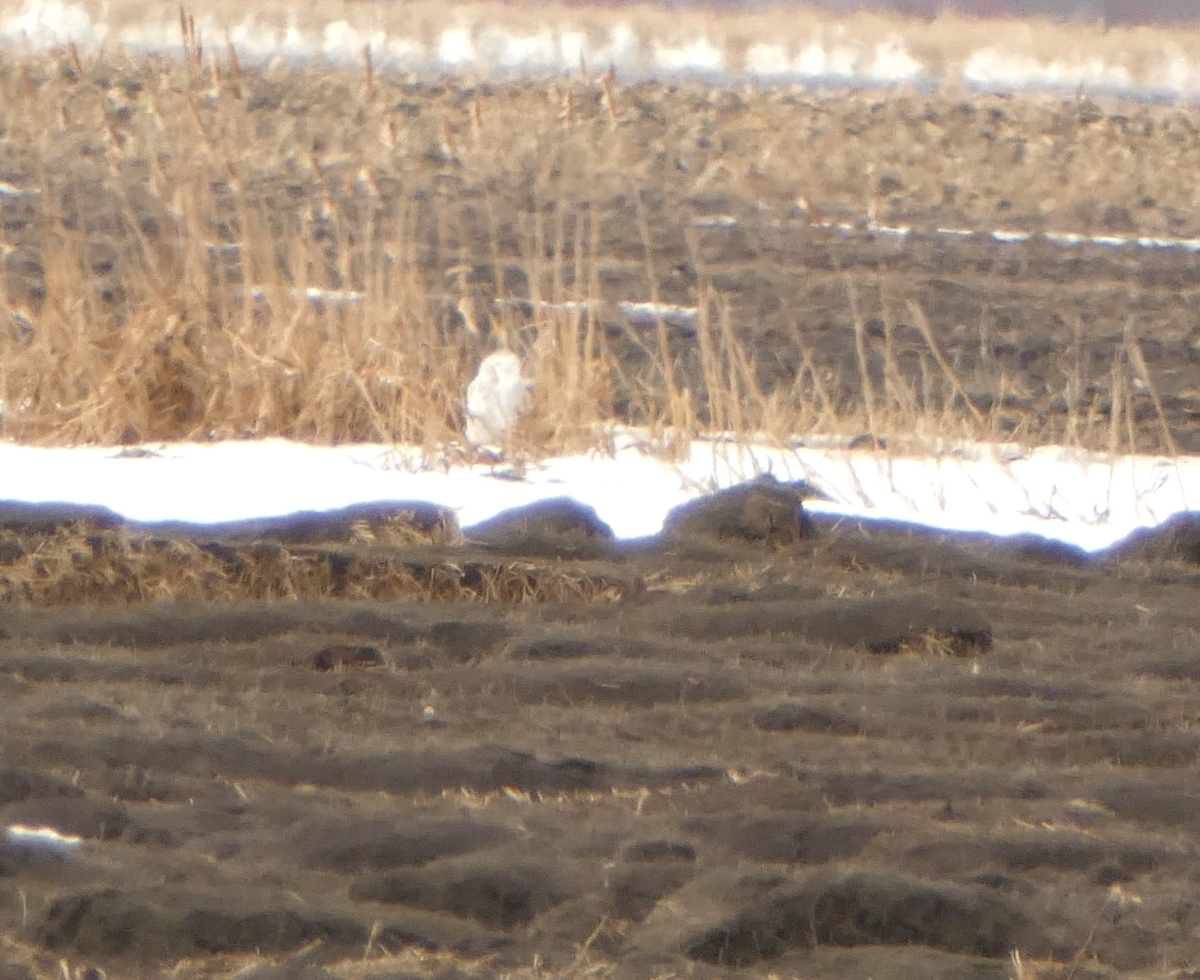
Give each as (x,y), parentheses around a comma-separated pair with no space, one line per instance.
(496,398)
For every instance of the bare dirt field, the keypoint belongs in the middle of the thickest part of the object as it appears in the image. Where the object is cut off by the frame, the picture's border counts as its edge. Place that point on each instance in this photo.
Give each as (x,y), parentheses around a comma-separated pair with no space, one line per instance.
(755,746)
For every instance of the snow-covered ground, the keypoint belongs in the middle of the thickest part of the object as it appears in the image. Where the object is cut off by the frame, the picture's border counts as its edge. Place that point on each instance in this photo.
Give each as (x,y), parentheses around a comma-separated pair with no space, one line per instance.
(1087,499)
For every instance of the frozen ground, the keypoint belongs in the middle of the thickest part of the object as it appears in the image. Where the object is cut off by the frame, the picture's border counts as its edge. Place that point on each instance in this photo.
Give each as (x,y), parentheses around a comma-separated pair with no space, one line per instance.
(1087,499)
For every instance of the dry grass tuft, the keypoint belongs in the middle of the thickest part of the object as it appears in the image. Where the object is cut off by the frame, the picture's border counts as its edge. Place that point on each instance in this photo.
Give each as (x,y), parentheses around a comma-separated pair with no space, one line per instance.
(78,564)
(937,645)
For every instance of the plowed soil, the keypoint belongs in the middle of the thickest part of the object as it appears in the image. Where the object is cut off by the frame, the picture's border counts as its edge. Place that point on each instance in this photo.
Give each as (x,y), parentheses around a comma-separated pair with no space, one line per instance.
(784,747)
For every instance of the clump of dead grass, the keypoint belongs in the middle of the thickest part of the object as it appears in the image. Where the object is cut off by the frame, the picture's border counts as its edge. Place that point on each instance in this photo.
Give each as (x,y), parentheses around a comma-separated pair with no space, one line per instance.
(77,564)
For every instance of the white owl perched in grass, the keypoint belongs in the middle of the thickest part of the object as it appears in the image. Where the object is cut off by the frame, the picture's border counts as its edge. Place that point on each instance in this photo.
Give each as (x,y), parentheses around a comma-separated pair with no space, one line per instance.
(496,398)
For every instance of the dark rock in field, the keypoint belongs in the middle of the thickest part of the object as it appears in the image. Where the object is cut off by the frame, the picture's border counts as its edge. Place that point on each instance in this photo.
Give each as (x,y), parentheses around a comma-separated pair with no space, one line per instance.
(558,527)
(1177,539)
(383,846)
(763,511)
(787,838)
(878,625)
(341,657)
(77,816)
(867,909)
(501,896)
(660,850)
(791,717)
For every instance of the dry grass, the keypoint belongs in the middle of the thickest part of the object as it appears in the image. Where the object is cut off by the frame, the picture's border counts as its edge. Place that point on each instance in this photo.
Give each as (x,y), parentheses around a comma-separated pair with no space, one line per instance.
(199,251)
(376,961)
(79,564)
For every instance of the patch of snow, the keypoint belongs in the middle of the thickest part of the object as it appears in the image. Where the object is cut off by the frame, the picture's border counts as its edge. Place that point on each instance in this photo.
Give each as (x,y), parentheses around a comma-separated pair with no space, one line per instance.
(44,840)
(1088,499)
(830,54)
(699,55)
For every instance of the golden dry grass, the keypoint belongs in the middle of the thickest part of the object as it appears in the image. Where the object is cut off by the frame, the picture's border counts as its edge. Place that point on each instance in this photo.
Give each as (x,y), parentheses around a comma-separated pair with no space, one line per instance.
(211,252)
(81,564)
(376,961)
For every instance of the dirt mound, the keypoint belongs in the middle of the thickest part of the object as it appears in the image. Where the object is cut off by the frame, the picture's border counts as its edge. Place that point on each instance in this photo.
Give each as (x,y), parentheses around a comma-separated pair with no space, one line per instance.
(84,565)
(395,522)
(501,896)
(559,527)
(867,909)
(762,511)
(1177,539)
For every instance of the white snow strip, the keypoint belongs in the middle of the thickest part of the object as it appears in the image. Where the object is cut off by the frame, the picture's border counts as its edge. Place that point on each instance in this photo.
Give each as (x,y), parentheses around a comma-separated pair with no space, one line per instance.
(11,190)
(1007,236)
(311,293)
(45,839)
(829,55)
(653,311)
(1088,499)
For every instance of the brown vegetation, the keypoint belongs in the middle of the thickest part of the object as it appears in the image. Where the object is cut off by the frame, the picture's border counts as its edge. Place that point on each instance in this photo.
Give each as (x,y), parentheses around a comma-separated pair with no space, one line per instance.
(198,251)
(75,564)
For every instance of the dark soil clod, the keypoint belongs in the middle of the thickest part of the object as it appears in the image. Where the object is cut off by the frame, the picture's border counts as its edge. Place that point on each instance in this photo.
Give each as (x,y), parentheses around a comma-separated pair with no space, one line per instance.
(763,511)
